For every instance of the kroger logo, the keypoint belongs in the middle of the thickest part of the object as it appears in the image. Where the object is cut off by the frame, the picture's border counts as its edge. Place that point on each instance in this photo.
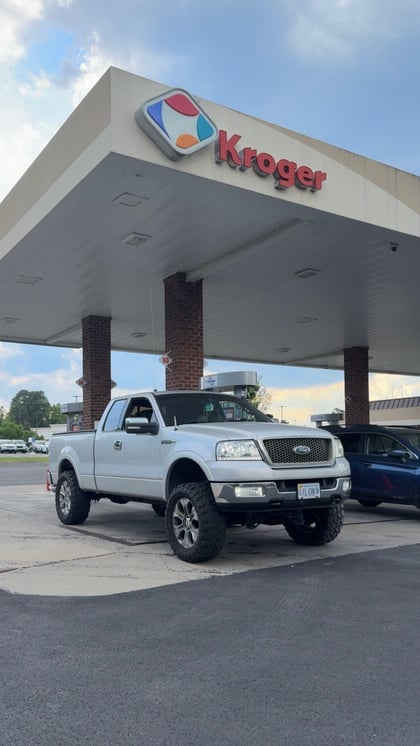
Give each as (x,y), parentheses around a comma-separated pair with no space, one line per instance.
(176,123)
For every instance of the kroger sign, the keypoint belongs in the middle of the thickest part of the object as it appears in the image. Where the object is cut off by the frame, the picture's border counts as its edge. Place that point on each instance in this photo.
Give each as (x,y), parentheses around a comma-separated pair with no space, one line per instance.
(286,173)
(180,127)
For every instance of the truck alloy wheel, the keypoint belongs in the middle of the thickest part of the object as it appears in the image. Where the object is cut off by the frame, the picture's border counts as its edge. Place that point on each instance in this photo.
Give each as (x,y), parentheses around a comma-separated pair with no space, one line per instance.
(71,503)
(196,530)
(320,526)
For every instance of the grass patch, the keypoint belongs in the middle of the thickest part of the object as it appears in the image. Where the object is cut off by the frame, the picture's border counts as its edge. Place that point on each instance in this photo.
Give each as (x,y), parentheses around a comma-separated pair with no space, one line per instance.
(22,457)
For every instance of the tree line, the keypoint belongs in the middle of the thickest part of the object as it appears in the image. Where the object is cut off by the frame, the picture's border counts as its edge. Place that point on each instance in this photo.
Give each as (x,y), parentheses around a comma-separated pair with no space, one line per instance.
(29,410)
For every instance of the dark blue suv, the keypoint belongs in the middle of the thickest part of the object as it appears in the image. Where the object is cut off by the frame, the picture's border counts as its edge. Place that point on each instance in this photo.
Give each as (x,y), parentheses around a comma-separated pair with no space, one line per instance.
(384,461)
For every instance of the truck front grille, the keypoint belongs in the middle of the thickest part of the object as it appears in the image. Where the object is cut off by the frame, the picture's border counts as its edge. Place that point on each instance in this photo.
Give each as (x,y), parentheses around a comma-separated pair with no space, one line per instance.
(286,450)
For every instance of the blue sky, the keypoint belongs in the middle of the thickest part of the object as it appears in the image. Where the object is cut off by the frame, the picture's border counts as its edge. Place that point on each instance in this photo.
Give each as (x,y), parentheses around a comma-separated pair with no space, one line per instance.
(342,71)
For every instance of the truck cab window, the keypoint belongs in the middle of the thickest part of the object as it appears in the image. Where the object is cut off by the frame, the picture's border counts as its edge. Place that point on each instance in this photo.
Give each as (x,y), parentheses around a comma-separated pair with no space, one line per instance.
(115,416)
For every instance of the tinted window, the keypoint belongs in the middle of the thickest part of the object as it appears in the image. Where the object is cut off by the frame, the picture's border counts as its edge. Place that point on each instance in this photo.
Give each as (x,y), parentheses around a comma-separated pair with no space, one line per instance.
(379,445)
(115,416)
(352,442)
(413,439)
(141,408)
(207,407)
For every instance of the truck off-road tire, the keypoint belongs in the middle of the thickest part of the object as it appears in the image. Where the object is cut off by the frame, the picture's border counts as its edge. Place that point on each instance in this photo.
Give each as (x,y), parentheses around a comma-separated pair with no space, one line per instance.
(159,508)
(369,503)
(196,530)
(71,503)
(320,526)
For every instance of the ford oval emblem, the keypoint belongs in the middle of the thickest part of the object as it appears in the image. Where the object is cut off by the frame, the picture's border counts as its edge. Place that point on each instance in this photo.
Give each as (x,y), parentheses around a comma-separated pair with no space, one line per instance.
(301,450)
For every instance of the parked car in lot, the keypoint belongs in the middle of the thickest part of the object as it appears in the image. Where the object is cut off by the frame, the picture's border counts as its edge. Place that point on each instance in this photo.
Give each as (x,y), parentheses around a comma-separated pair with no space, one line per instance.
(40,446)
(7,446)
(384,461)
(21,446)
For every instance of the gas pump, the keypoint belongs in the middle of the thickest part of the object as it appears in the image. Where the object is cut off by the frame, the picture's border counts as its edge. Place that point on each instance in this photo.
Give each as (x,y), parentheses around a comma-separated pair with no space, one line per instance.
(237,382)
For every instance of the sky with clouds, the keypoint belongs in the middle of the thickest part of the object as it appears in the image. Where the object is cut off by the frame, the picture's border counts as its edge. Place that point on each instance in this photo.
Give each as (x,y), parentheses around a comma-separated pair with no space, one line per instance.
(342,71)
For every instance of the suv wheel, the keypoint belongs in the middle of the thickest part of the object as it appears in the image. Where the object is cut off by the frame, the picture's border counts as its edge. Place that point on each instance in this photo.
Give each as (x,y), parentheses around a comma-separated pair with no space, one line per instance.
(196,530)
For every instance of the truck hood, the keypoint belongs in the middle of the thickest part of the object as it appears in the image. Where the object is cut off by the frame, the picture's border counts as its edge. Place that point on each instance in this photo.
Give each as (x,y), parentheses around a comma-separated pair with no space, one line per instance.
(254,430)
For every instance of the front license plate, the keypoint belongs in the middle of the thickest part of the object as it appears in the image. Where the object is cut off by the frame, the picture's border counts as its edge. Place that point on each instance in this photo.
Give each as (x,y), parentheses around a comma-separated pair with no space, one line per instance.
(308,491)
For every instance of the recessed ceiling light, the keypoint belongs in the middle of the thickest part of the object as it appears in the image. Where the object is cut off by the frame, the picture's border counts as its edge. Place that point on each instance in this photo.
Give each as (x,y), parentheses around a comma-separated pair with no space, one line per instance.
(138,335)
(135,239)
(129,200)
(306,319)
(27,280)
(283,349)
(305,274)
(9,320)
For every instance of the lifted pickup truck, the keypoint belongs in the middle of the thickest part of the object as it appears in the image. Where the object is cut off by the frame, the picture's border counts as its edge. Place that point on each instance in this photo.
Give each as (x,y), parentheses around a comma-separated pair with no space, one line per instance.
(208,461)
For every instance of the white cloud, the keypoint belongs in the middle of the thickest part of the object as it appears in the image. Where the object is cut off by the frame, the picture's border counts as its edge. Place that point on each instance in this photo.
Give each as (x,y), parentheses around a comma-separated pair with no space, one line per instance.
(339,29)
(58,384)
(382,386)
(15,17)
(99,56)
(301,402)
(8,351)
(34,102)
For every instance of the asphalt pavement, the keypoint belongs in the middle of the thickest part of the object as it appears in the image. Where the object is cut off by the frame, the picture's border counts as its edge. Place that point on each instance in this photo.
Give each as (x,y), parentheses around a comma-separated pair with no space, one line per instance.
(19,472)
(316,652)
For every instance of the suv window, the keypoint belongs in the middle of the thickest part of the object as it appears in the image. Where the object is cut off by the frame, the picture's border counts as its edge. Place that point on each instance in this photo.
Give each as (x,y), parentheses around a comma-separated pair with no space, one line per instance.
(379,444)
(352,442)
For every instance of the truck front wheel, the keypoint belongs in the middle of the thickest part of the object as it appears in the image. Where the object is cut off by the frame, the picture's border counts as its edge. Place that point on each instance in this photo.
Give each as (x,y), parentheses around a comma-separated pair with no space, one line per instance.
(320,526)
(71,503)
(196,530)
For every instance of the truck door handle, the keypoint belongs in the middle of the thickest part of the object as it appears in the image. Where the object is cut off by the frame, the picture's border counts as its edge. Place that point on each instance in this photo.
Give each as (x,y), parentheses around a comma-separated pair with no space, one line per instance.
(117,445)
(367,463)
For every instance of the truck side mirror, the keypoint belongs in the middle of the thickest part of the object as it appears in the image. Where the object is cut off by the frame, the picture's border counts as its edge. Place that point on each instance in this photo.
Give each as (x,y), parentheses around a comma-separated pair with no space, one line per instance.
(140,425)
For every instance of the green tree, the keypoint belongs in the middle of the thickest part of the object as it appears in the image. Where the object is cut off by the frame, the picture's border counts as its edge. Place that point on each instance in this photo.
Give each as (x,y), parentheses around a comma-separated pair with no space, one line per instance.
(55,415)
(30,409)
(259,396)
(333,420)
(11,431)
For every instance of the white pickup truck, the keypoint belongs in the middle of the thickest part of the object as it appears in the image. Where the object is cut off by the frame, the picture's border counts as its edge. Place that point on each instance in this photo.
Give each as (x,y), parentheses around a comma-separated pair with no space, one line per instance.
(208,461)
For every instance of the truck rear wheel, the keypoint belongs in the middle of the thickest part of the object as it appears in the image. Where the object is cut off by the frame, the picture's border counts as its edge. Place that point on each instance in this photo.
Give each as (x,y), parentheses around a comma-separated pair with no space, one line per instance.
(320,526)
(71,503)
(196,530)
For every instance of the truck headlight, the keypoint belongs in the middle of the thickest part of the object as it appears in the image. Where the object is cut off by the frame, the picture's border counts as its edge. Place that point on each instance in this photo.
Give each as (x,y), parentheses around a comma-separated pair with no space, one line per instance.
(338,448)
(237,450)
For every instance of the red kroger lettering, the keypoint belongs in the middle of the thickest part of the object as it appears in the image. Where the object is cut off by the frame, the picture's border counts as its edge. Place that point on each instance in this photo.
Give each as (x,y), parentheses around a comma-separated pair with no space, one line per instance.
(320,176)
(304,177)
(264,164)
(227,149)
(286,173)
(248,155)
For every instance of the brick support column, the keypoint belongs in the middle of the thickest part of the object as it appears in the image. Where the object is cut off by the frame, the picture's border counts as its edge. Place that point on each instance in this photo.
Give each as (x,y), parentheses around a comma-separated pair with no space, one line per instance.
(356,385)
(183,332)
(96,336)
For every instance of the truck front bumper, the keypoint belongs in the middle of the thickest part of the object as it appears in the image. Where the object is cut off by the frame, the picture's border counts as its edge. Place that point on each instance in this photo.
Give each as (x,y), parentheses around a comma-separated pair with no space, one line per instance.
(278,495)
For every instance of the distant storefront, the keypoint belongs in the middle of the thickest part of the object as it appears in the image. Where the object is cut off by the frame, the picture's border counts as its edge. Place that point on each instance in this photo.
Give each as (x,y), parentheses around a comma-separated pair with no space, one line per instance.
(402,411)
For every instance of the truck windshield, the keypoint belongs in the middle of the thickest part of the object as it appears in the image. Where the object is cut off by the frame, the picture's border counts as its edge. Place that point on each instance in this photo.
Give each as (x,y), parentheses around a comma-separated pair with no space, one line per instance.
(191,408)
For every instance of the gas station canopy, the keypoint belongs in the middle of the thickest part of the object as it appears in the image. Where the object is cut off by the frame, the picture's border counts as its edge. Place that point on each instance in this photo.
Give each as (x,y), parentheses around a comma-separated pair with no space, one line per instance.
(304,249)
